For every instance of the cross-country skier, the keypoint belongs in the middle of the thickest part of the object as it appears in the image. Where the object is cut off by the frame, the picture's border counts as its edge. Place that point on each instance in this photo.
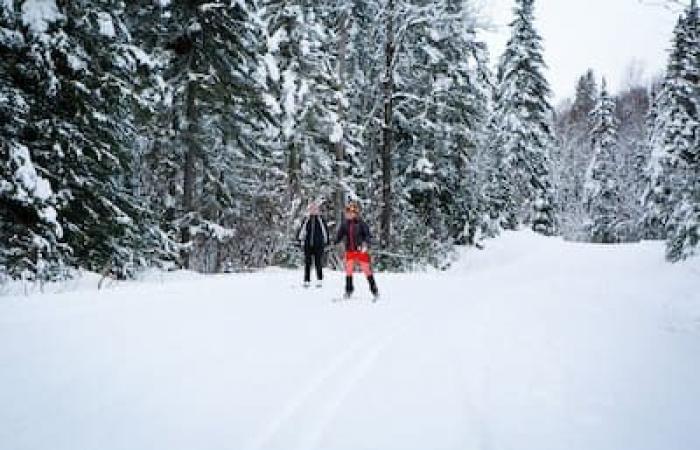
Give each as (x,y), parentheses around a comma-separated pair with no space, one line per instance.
(354,232)
(313,237)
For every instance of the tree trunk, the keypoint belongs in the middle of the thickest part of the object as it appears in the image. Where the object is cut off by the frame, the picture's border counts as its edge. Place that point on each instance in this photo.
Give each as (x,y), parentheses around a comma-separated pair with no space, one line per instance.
(387,132)
(294,170)
(190,169)
(340,145)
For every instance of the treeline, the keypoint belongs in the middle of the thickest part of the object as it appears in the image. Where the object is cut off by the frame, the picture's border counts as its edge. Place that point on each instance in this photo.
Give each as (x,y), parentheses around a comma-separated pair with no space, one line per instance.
(191,134)
(629,164)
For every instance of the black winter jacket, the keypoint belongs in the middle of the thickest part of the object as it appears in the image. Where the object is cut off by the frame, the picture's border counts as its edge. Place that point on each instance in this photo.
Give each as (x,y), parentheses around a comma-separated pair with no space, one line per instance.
(313,233)
(355,233)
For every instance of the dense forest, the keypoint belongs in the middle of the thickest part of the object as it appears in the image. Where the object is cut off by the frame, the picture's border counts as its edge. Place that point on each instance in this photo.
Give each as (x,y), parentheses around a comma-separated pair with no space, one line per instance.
(192,134)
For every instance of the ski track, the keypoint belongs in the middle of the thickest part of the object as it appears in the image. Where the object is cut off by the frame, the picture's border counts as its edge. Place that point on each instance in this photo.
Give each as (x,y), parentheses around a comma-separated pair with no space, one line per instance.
(336,385)
(359,368)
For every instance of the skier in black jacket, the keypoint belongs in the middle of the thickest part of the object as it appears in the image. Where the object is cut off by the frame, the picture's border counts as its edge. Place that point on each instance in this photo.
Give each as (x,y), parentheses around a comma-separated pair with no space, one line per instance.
(354,232)
(313,237)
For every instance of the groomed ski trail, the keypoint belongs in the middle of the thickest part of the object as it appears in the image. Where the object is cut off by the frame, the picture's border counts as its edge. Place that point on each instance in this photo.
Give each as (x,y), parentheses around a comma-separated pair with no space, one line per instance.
(531,344)
(321,397)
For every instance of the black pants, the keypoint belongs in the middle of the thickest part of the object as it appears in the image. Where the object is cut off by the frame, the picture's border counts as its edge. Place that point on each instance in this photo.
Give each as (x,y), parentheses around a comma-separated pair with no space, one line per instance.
(315,255)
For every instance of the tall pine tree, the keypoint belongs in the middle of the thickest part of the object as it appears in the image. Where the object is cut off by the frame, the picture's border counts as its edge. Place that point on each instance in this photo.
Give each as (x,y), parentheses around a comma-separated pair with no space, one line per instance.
(602,195)
(573,155)
(208,130)
(74,126)
(673,195)
(521,139)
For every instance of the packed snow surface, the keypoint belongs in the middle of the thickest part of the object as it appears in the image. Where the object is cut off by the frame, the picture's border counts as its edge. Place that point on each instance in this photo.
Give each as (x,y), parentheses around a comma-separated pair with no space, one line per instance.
(531,344)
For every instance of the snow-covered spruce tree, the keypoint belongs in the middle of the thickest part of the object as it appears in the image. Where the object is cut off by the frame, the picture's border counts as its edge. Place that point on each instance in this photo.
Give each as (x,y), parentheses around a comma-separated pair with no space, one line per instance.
(418,222)
(574,124)
(498,199)
(572,155)
(300,43)
(29,229)
(632,111)
(455,114)
(206,135)
(76,127)
(363,67)
(438,106)
(358,55)
(356,30)
(522,130)
(302,75)
(602,195)
(115,230)
(683,147)
(655,193)
(480,160)
(673,195)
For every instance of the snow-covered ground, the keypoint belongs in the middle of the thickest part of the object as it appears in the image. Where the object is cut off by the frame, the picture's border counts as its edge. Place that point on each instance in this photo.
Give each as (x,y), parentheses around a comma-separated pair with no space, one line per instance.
(532,344)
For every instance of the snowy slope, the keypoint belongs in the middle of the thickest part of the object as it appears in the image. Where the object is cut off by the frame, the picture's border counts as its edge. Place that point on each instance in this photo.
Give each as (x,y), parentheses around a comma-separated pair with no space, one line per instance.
(531,344)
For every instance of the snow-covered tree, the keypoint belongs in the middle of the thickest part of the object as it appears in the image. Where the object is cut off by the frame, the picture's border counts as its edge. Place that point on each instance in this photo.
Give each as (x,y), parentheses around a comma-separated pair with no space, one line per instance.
(632,110)
(572,155)
(74,127)
(673,195)
(522,130)
(304,69)
(209,126)
(29,229)
(602,195)
(436,71)
(441,108)
(297,69)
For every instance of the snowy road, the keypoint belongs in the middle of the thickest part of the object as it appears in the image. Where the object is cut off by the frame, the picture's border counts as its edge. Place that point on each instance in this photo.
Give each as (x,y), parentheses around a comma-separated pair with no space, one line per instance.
(532,344)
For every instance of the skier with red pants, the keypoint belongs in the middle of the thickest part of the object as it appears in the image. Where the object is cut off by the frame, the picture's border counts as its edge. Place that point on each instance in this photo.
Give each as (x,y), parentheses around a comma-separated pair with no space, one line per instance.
(355,233)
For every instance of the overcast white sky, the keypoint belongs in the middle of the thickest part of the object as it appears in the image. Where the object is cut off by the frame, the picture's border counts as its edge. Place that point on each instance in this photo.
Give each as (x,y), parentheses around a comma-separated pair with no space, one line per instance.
(605,35)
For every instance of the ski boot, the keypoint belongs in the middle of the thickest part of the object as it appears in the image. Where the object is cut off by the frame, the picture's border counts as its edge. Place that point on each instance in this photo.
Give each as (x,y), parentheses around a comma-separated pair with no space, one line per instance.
(373,288)
(348,288)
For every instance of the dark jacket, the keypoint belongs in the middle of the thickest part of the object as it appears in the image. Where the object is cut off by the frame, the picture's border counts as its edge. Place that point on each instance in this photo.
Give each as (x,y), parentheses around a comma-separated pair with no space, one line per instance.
(354,233)
(313,233)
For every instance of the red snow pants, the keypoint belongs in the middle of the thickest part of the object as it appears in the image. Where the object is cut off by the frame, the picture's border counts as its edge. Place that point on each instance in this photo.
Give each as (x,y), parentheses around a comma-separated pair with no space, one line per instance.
(361,258)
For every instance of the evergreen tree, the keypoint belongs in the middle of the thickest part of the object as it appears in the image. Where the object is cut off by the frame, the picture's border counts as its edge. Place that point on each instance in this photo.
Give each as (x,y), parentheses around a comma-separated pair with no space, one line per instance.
(297,75)
(441,106)
(654,197)
(29,229)
(573,155)
(585,100)
(306,99)
(602,191)
(632,110)
(673,196)
(683,146)
(522,135)
(209,127)
(438,79)
(62,62)
(130,126)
